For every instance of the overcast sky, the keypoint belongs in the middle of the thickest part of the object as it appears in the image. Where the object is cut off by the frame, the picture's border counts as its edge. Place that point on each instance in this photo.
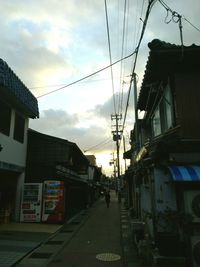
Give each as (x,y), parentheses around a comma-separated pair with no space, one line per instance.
(50,44)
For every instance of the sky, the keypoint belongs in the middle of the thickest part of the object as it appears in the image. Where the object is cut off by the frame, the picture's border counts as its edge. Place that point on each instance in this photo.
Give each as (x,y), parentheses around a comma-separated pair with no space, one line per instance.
(50,44)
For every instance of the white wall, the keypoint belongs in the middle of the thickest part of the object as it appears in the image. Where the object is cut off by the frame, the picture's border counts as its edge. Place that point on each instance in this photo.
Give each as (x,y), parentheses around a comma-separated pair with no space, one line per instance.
(13,152)
(165,196)
(90,173)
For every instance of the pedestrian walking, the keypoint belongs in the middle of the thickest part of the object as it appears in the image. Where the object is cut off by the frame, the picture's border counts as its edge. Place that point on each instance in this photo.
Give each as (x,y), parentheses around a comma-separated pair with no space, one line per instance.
(107,198)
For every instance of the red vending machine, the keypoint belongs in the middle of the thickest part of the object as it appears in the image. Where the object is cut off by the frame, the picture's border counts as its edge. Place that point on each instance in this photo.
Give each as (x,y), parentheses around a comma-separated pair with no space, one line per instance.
(31,202)
(53,208)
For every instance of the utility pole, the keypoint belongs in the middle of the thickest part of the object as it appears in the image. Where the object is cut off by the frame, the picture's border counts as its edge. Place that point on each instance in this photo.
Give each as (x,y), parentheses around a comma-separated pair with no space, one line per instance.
(112,162)
(124,152)
(116,137)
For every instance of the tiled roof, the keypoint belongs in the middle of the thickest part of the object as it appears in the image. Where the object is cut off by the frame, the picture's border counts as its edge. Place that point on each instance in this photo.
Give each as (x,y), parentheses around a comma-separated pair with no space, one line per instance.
(165,59)
(16,92)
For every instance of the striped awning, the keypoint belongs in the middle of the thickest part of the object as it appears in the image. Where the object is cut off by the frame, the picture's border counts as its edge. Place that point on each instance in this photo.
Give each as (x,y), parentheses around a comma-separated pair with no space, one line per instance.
(185,173)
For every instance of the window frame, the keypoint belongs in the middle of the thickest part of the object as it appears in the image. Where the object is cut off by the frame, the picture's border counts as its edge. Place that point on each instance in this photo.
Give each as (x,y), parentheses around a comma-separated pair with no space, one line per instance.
(166,122)
(5,123)
(19,128)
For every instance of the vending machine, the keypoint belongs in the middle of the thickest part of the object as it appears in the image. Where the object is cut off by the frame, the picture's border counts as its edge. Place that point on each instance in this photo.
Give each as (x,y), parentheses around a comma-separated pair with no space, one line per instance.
(53,208)
(31,202)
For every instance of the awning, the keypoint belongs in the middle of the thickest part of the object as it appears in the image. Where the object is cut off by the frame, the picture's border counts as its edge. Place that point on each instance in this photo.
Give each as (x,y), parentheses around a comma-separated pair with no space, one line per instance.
(185,173)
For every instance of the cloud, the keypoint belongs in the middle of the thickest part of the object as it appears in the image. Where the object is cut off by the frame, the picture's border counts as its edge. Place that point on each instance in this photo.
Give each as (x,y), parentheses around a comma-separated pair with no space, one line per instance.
(67,126)
(45,38)
(54,122)
(52,42)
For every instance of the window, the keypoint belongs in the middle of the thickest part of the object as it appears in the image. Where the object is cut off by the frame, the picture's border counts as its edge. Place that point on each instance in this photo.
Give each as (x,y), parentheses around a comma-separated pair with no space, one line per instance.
(5,118)
(162,119)
(168,107)
(19,128)
(156,123)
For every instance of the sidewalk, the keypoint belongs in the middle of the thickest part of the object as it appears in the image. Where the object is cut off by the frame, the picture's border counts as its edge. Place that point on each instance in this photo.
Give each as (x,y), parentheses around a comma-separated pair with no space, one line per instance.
(97,237)
(97,243)
(19,239)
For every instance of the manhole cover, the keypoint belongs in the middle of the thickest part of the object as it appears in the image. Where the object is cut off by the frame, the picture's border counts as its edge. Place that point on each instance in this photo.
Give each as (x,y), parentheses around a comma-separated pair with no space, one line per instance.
(108,257)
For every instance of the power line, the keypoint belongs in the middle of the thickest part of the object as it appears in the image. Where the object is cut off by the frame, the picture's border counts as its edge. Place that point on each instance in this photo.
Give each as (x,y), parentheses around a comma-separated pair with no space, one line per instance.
(104,142)
(140,20)
(110,55)
(63,84)
(122,53)
(175,15)
(88,76)
(149,7)
(191,24)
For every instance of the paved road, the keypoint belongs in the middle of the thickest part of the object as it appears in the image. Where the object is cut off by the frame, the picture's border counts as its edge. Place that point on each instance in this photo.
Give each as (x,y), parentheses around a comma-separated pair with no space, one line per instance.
(18,239)
(97,243)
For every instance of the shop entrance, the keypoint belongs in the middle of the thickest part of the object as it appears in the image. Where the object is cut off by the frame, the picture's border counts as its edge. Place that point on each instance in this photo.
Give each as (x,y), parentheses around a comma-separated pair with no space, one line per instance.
(8,187)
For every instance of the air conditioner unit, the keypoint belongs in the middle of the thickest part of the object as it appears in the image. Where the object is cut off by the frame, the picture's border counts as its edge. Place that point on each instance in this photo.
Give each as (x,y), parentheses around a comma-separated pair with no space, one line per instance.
(192,204)
(195,242)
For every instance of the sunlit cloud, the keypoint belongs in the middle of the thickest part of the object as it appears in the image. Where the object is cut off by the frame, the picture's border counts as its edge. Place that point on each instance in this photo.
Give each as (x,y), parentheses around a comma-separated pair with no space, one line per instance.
(51,43)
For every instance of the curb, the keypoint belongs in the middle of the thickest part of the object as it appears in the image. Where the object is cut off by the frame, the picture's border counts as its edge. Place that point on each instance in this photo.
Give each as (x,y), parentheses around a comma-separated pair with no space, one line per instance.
(43,254)
(130,255)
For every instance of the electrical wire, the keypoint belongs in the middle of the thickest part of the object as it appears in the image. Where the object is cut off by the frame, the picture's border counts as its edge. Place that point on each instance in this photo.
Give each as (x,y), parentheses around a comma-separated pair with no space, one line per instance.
(63,84)
(88,76)
(110,55)
(142,8)
(141,12)
(191,24)
(104,142)
(122,54)
(140,20)
(149,7)
(135,24)
(175,15)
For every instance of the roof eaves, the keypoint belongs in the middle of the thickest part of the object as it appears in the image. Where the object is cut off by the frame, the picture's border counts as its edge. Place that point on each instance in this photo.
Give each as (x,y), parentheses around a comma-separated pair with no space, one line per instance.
(173,57)
(14,88)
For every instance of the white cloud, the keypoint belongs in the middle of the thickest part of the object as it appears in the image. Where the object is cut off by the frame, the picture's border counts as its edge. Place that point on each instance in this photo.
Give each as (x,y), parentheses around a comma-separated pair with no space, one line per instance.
(71,127)
(50,42)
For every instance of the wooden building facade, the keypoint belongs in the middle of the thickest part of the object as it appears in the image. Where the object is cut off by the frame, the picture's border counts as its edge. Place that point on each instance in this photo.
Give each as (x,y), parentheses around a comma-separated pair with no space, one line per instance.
(163,181)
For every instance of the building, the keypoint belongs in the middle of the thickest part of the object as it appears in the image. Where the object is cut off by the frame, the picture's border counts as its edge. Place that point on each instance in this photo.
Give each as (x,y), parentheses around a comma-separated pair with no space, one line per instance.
(17,105)
(51,158)
(163,181)
(92,159)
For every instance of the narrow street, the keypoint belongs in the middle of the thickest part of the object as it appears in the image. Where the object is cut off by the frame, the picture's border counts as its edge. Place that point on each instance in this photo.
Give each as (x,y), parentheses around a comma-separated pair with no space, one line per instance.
(97,243)
(98,236)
